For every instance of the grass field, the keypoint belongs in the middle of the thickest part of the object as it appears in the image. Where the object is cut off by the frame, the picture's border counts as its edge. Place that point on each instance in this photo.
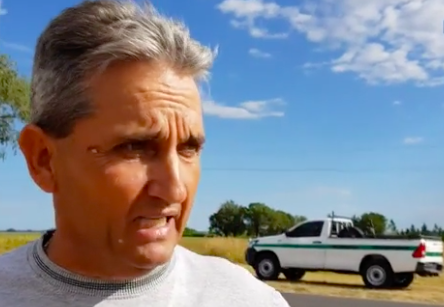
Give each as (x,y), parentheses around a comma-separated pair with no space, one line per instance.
(425,290)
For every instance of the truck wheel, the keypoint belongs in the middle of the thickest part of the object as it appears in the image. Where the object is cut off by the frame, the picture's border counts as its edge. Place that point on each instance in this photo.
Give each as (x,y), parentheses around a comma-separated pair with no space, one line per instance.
(293,274)
(377,274)
(267,267)
(403,280)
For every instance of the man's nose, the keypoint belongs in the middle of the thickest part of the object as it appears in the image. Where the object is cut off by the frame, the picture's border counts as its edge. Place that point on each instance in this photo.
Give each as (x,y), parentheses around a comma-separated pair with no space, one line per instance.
(166,180)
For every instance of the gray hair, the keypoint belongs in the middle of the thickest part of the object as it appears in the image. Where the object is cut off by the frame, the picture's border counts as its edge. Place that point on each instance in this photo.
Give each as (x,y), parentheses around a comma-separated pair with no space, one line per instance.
(85,39)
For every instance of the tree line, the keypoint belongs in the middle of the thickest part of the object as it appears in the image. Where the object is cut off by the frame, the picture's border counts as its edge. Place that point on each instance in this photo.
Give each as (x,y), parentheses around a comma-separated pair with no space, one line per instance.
(257,219)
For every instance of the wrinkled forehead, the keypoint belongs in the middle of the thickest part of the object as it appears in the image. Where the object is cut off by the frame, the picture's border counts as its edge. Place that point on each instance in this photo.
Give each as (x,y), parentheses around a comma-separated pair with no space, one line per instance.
(162,121)
(132,97)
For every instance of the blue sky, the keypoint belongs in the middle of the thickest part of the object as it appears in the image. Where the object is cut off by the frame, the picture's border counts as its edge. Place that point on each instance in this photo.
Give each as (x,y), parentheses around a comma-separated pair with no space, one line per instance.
(313,108)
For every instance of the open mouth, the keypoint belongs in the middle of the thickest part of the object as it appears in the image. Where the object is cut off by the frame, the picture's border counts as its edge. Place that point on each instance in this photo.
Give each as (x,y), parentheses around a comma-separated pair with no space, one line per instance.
(154,222)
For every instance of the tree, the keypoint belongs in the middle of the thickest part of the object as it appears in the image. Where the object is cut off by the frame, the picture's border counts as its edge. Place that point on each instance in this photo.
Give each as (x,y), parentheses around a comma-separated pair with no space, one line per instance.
(299,219)
(281,221)
(14,102)
(392,227)
(413,230)
(258,219)
(437,230)
(261,220)
(424,229)
(229,220)
(370,220)
(190,232)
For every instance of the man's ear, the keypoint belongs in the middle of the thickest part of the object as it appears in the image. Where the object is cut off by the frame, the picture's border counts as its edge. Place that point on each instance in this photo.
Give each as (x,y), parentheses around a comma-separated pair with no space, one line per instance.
(37,148)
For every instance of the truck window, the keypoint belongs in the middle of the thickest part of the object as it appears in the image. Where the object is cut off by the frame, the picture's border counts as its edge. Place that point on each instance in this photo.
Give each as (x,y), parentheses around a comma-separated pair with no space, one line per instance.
(335,228)
(310,229)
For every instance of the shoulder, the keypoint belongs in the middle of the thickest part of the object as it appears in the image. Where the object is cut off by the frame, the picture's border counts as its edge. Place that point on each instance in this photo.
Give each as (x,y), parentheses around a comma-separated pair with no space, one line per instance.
(15,271)
(218,267)
(230,278)
(13,260)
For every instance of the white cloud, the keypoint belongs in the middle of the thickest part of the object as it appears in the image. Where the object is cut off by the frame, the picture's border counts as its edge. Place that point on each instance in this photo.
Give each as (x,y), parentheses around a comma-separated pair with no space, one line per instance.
(245,110)
(381,41)
(3,11)
(9,45)
(246,12)
(309,65)
(255,31)
(259,54)
(15,46)
(396,103)
(413,140)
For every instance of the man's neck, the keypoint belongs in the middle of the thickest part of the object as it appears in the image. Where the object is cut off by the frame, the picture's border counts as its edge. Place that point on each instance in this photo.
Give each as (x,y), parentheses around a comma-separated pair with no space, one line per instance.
(85,260)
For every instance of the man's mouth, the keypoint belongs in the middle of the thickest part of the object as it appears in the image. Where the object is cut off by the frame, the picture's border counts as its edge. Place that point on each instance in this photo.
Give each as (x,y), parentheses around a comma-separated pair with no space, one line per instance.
(153,222)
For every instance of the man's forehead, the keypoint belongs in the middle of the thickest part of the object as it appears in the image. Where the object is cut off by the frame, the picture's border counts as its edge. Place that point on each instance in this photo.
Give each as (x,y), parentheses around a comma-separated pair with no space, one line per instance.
(136,98)
(160,119)
(145,91)
(153,122)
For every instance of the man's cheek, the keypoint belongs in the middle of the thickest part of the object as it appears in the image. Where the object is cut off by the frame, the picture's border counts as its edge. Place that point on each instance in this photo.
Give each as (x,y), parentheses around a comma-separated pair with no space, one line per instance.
(129,183)
(125,174)
(190,172)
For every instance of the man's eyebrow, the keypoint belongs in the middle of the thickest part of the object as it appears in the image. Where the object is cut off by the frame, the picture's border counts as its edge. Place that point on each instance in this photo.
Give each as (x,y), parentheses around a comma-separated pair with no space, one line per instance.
(138,137)
(127,138)
(197,140)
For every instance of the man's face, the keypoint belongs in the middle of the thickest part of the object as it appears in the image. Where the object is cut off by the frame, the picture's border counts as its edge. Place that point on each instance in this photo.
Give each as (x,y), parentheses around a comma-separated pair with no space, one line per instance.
(125,179)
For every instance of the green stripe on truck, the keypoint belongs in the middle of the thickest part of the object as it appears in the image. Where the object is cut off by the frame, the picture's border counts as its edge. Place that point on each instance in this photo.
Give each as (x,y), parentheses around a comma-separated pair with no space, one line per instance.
(333,246)
(348,247)
(433,254)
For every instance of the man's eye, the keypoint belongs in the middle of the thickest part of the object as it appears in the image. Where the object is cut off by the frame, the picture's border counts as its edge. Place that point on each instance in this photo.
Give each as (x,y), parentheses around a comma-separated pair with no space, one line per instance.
(189,151)
(132,146)
(136,149)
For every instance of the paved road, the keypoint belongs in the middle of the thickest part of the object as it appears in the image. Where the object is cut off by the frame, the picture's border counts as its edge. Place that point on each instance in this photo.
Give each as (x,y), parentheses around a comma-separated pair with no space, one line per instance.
(302,300)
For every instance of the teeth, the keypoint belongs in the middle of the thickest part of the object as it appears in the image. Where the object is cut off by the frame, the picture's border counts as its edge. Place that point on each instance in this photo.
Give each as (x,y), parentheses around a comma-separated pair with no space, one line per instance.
(149,223)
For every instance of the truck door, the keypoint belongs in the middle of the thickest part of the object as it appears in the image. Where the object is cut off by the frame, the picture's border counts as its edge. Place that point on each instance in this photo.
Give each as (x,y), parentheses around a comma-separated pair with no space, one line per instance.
(304,246)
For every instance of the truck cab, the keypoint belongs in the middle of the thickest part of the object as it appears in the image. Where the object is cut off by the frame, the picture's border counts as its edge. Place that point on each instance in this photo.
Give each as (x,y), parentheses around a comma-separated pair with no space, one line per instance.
(302,245)
(320,245)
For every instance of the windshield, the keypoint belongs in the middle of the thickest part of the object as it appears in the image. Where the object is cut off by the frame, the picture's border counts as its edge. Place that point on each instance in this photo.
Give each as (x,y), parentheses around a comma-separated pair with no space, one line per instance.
(295,226)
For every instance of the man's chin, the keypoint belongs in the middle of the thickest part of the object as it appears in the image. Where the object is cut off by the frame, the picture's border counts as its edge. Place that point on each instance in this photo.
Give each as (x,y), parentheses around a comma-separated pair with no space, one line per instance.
(152,255)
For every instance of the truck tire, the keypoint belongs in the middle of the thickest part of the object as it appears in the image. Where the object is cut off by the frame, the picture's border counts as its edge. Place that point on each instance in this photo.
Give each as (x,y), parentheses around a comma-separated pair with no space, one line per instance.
(267,266)
(403,280)
(293,274)
(377,274)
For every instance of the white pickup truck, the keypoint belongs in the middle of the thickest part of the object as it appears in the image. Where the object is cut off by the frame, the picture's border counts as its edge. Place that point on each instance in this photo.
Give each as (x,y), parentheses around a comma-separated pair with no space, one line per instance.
(335,245)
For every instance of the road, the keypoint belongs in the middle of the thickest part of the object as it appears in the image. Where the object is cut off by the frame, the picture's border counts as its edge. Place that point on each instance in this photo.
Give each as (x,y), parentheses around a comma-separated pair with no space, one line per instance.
(302,300)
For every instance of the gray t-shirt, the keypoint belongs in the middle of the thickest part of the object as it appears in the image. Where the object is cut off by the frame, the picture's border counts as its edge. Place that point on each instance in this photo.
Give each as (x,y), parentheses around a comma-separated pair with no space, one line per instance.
(29,279)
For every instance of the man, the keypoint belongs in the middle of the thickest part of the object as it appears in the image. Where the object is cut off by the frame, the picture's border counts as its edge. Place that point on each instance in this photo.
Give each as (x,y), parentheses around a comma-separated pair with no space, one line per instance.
(115,136)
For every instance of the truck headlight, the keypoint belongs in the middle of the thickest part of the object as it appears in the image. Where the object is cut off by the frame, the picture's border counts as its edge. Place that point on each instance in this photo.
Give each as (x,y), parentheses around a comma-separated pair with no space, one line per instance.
(252,242)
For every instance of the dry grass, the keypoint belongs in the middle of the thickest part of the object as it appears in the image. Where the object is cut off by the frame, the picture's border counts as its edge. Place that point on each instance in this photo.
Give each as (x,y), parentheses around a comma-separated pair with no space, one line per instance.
(425,290)
(9,241)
